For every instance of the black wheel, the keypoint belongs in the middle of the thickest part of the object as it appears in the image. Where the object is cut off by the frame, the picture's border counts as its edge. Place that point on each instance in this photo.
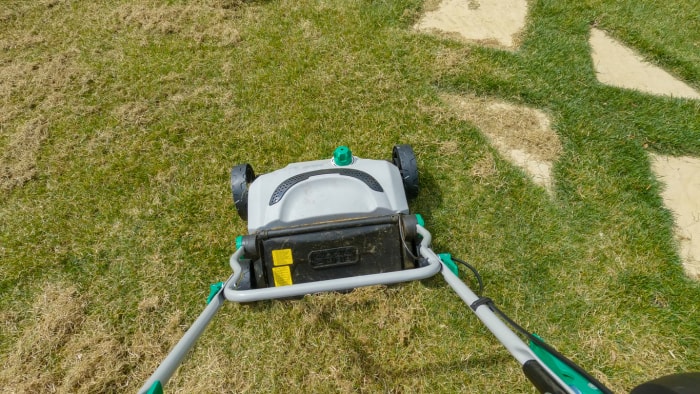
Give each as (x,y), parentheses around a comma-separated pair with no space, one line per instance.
(241,176)
(683,383)
(404,158)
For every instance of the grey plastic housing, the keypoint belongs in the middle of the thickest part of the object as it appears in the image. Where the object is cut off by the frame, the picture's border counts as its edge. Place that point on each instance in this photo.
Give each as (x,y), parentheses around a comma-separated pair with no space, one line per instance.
(288,197)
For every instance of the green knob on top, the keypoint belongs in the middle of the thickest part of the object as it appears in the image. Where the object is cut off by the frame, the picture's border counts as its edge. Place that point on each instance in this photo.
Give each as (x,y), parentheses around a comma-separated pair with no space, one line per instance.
(342,156)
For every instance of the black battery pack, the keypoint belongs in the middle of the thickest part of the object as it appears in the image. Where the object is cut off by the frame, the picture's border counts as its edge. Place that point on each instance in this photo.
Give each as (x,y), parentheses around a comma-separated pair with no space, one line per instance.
(332,250)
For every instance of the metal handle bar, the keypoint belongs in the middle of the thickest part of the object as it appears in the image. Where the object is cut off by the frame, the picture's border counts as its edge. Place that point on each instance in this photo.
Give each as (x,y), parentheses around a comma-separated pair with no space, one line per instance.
(517,348)
(301,289)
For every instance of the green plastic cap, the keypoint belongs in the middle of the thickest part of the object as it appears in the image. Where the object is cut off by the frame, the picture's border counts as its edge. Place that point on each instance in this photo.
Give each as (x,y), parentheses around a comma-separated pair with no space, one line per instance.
(420,220)
(214,290)
(342,156)
(239,242)
(156,388)
(447,259)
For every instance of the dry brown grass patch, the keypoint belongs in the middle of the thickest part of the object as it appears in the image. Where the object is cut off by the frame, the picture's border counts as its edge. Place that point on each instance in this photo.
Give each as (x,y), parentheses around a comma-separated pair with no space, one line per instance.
(523,135)
(484,168)
(154,337)
(67,350)
(93,361)
(31,366)
(41,86)
(449,60)
(448,148)
(136,113)
(18,161)
(20,39)
(327,342)
(197,22)
(516,127)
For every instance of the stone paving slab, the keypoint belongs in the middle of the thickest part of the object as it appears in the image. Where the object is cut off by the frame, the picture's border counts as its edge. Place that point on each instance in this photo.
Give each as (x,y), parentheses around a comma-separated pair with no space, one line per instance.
(499,23)
(620,66)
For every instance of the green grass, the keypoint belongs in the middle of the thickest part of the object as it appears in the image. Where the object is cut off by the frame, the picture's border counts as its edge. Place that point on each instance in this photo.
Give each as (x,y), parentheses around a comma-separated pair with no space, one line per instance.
(124,218)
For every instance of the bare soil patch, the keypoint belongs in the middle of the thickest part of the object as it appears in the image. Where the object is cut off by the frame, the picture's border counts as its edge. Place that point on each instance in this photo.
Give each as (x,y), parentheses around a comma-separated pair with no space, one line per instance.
(523,135)
(489,22)
(681,176)
(617,65)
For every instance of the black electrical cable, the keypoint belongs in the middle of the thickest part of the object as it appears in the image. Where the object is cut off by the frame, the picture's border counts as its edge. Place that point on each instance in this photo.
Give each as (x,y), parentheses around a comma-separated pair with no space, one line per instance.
(405,245)
(600,386)
(476,274)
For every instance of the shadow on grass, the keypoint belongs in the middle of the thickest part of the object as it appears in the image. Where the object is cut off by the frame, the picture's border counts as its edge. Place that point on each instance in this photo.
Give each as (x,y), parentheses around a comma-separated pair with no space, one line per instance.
(430,197)
(362,355)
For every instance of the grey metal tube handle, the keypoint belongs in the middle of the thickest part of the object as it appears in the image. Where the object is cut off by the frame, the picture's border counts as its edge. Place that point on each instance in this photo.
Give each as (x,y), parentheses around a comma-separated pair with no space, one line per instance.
(167,368)
(517,348)
(501,331)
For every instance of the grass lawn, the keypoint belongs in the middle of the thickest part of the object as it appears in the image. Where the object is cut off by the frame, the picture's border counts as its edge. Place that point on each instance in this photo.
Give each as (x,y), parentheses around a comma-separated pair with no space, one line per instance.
(119,123)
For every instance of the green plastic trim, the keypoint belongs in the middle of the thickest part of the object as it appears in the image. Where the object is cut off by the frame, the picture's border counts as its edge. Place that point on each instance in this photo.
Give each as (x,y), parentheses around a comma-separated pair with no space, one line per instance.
(420,220)
(214,290)
(342,156)
(447,259)
(563,371)
(156,388)
(239,242)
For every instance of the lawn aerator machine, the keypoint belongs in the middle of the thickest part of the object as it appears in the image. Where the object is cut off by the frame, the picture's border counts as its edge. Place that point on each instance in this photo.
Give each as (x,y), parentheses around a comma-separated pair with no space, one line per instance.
(343,223)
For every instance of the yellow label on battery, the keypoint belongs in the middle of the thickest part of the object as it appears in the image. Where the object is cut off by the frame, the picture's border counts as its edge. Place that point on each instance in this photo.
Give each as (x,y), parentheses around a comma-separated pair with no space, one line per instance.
(282,257)
(282,276)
